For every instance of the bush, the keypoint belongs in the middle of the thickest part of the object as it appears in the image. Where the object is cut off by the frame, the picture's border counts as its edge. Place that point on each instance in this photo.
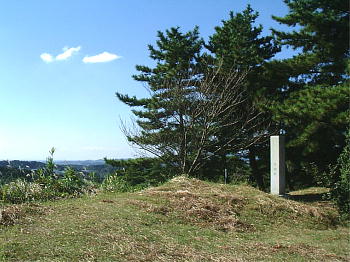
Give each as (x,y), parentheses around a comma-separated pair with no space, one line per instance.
(46,184)
(115,183)
(340,188)
(20,191)
(142,171)
(73,183)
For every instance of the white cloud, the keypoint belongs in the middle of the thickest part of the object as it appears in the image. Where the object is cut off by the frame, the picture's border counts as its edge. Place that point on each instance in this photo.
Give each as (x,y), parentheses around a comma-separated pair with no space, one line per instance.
(46,57)
(67,52)
(101,58)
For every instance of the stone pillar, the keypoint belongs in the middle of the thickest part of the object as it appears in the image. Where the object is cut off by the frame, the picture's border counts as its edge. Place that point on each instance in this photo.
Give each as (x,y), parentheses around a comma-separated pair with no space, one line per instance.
(278,180)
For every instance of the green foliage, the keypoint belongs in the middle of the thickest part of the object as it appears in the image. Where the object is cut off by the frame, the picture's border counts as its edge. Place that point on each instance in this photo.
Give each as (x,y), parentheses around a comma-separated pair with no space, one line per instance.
(340,188)
(76,183)
(20,191)
(116,183)
(338,179)
(239,44)
(163,120)
(9,174)
(158,116)
(135,174)
(175,53)
(313,106)
(45,184)
(142,171)
(323,37)
(238,171)
(315,119)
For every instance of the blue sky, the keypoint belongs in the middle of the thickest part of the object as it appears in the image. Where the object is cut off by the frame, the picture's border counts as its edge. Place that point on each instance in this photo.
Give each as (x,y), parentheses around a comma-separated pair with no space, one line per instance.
(69,103)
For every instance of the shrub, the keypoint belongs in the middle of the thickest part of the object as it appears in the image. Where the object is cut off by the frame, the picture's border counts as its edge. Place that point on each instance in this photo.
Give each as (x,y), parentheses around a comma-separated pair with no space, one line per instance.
(47,184)
(340,188)
(142,171)
(71,183)
(115,183)
(20,191)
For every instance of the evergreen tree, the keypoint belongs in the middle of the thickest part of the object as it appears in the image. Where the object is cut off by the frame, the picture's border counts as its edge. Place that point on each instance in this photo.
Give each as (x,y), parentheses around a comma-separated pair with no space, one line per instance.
(323,38)
(190,103)
(177,53)
(315,119)
(314,111)
(161,117)
(239,44)
(141,171)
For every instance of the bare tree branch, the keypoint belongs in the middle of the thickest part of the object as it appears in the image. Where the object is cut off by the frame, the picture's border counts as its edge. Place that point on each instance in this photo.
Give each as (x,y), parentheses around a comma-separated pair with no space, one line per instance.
(202,113)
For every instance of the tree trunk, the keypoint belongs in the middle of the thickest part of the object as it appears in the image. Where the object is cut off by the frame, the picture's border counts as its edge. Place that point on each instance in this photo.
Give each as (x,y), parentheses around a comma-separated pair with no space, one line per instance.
(256,176)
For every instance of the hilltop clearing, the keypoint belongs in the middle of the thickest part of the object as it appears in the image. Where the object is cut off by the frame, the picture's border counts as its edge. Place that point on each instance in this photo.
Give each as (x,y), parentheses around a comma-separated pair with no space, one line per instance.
(182,220)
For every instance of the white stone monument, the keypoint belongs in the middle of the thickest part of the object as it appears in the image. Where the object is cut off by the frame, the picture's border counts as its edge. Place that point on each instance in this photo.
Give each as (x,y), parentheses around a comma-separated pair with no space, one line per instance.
(278,181)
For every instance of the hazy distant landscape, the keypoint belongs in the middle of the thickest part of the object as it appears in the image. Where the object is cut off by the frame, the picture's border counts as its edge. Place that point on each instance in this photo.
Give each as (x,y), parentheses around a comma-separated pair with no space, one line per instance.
(23,168)
(41,163)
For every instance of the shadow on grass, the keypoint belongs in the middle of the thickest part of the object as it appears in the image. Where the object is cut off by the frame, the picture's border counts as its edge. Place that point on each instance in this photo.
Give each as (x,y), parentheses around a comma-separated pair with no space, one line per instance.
(312,197)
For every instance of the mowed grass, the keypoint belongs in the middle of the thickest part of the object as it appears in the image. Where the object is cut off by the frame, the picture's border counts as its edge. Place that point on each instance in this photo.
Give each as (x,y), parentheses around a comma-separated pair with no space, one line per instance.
(183,220)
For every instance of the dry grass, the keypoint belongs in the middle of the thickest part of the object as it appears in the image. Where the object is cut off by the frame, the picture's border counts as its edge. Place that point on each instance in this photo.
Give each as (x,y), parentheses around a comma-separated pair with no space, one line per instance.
(224,208)
(16,214)
(183,220)
(185,199)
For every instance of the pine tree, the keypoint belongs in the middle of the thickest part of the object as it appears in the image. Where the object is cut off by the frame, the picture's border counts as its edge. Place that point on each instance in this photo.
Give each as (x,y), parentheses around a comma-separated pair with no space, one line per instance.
(315,119)
(314,112)
(190,103)
(323,38)
(161,116)
(238,42)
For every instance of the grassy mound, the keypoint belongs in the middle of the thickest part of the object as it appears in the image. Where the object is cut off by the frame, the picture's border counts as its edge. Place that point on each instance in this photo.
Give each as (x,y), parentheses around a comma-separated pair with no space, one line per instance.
(182,220)
(238,208)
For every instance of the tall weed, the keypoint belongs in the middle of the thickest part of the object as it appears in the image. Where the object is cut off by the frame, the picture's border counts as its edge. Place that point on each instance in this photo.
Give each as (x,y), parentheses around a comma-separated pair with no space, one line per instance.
(46,184)
(117,183)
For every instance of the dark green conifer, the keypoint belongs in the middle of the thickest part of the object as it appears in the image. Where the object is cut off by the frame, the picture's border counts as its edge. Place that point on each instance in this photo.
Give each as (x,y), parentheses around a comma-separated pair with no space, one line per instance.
(161,116)
(315,109)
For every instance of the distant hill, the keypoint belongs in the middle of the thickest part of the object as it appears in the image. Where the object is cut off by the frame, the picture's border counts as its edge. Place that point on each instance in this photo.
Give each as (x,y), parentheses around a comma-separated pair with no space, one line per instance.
(80,162)
(10,170)
(22,164)
(39,164)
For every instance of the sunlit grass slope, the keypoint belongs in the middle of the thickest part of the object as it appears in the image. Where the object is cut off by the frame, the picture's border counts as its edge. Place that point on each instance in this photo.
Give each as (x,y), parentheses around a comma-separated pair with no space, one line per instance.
(183,220)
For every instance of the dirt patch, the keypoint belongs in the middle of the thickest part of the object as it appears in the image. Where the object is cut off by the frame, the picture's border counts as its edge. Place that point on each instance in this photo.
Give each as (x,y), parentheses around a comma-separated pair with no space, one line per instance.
(16,214)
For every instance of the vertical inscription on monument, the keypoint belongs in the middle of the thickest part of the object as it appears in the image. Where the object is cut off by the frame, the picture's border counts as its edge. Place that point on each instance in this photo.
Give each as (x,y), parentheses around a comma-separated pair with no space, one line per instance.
(277,154)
